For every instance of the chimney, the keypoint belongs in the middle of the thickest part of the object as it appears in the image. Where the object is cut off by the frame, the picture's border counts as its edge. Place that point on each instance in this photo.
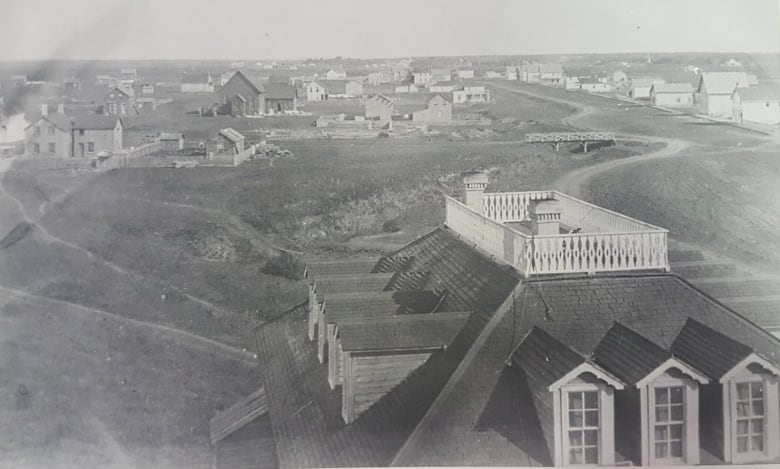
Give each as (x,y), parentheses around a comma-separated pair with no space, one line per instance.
(546,217)
(475,183)
(61,108)
(44,109)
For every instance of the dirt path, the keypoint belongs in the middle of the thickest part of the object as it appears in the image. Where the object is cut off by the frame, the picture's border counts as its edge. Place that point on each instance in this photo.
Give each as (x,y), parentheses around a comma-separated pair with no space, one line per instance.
(199,342)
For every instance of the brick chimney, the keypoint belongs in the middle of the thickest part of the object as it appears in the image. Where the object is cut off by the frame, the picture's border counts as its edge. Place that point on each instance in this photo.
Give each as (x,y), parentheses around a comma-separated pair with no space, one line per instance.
(546,217)
(474,183)
(44,109)
(61,108)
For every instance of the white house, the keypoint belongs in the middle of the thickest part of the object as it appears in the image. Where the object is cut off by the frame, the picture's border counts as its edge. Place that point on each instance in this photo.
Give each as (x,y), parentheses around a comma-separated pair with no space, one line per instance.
(640,87)
(421,78)
(716,91)
(672,95)
(197,83)
(336,74)
(443,87)
(471,94)
(466,74)
(315,92)
(594,86)
(759,104)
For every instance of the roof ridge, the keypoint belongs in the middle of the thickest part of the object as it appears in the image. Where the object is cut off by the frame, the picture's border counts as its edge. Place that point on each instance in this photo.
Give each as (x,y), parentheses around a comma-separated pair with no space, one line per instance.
(464,365)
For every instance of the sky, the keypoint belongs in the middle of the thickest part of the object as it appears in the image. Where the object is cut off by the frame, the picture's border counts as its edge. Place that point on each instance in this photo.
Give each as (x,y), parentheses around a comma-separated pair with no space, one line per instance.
(295,29)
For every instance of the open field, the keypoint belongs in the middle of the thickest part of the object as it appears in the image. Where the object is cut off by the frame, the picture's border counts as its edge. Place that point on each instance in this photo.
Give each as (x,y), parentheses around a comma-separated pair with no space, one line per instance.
(85,390)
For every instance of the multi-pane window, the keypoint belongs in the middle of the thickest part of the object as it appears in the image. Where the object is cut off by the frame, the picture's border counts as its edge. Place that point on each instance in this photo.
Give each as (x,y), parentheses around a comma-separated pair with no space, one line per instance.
(91,147)
(669,422)
(750,417)
(583,415)
(52,148)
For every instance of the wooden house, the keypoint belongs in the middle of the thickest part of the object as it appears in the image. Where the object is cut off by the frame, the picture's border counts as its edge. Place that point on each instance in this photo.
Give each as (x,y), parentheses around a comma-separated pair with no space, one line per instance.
(380,109)
(197,83)
(672,95)
(438,111)
(243,96)
(715,92)
(758,105)
(120,101)
(280,97)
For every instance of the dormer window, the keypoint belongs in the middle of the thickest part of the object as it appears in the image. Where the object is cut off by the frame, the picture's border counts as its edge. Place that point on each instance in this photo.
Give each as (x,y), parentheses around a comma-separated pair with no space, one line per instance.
(669,423)
(749,417)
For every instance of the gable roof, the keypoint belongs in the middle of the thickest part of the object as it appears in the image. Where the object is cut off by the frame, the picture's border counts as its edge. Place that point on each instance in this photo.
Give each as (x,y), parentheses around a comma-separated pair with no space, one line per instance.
(405,332)
(196,78)
(231,134)
(279,91)
(438,95)
(709,350)
(60,121)
(659,88)
(759,93)
(382,99)
(545,357)
(126,90)
(628,355)
(335,86)
(722,82)
(255,85)
(95,122)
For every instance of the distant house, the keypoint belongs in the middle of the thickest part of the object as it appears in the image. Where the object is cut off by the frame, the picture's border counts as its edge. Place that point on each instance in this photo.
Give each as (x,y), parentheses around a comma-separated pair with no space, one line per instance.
(572,83)
(12,127)
(640,87)
(421,78)
(145,104)
(465,74)
(406,89)
(438,111)
(336,74)
(380,109)
(71,83)
(443,86)
(280,97)
(441,74)
(592,85)
(619,77)
(378,78)
(759,105)
(715,92)
(120,101)
(493,74)
(471,94)
(62,136)
(341,88)
(732,62)
(147,89)
(128,76)
(171,141)
(315,92)
(106,80)
(672,95)
(227,142)
(197,83)
(243,96)
(546,74)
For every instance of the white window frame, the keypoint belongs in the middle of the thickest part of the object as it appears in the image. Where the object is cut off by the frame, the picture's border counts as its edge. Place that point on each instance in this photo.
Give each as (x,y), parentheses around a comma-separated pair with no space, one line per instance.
(741,373)
(652,423)
(565,428)
(735,418)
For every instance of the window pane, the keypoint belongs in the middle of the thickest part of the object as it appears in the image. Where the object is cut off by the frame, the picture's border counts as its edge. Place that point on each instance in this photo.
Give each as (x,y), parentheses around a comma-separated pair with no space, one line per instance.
(757,390)
(676,449)
(661,432)
(677,412)
(575,400)
(591,438)
(742,391)
(757,426)
(575,456)
(742,444)
(661,396)
(758,443)
(742,409)
(661,414)
(575,438)
(742,427)
(676,395)
(676,432)
(758,407)
(575,418)
(591,400)
(592,418)
(660,450)
(591,456)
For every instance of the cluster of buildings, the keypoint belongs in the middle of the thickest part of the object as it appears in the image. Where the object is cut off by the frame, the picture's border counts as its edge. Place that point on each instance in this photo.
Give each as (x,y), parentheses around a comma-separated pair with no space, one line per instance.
(520,333)
(59,135)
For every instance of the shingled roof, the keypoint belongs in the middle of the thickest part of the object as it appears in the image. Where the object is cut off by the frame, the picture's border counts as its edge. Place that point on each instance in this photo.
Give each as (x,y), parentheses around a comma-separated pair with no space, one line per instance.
(406,332)
(707,349)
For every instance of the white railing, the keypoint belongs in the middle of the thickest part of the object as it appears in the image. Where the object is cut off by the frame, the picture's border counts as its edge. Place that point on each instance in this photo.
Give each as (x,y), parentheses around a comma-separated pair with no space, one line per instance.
(606,241)
(508,207)
(497,239)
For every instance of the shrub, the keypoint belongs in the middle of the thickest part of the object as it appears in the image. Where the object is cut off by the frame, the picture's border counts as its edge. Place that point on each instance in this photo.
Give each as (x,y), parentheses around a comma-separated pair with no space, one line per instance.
(284,265)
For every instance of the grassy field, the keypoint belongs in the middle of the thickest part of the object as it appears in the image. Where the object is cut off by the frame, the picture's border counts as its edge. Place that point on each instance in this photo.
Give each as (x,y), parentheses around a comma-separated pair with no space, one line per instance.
(87,391)
(728,202)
